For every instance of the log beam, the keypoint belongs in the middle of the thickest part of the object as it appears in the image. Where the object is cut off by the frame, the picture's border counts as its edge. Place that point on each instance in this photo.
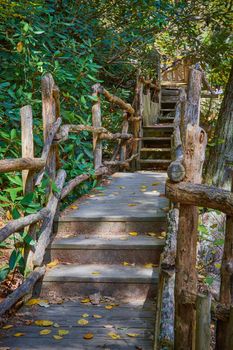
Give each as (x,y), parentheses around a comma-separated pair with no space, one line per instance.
(200,195)
(8,165)
(116,100)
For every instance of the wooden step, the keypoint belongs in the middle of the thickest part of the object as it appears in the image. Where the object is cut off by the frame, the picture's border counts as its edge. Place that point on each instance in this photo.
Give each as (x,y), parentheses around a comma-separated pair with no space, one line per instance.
(167,109)
(169,99)
(147,149)
(166,119)
(85,249)
(159,126)
(151,138)
(170,92)
(121,282)
(155,161)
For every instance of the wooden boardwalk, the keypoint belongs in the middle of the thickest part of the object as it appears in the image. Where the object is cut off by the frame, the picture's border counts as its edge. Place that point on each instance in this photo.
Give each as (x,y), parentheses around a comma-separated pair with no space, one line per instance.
(108,245)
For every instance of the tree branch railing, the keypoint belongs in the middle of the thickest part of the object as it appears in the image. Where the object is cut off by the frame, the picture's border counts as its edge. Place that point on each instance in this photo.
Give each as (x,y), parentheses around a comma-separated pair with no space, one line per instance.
(33,169)
(189,323)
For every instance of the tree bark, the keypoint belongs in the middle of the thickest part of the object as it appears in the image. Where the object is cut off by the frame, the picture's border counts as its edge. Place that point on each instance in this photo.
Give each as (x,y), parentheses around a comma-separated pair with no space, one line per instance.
(223,140)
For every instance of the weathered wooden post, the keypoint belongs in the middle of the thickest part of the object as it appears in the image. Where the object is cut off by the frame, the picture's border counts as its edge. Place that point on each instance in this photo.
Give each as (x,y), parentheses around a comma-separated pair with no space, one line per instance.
(27,145)
(125,128)
(194,143)
(203,321)
(223,334)
(96,122)
(49,117)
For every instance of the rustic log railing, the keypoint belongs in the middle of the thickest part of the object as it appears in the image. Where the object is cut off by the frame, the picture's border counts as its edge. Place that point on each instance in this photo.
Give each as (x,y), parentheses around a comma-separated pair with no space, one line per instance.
(183,315)
(33,169)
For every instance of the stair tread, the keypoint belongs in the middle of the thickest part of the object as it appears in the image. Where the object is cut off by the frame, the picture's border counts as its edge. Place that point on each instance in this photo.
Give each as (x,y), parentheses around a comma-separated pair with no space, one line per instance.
(158,161)
(160,126)
(155,149)
(122,242)
(154,138)
(102,273)
(168,109)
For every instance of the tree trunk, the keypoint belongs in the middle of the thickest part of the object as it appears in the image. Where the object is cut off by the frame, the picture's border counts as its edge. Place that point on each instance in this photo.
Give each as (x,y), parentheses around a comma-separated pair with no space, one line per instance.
(223,138)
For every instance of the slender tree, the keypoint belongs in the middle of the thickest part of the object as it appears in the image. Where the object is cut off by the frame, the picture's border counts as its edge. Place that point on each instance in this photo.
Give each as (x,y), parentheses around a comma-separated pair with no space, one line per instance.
(222,151)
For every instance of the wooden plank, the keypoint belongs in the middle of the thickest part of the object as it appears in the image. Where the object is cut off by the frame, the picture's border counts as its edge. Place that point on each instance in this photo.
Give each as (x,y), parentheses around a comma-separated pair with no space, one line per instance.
(203,322)
(27,145)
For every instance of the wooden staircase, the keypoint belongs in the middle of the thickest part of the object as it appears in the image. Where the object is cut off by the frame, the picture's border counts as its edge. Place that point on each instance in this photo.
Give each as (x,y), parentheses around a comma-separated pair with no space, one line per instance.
(155,150)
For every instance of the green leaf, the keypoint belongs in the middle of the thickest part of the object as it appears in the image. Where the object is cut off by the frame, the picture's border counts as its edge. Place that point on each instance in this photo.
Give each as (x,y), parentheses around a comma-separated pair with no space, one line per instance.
(209,280)
(55,188)
(13,134)
(14,259)
(27,199)
(4,272)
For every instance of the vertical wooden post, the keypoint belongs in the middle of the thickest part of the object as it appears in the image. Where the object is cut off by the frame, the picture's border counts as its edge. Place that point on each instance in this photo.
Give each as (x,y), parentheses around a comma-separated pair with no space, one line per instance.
(230,334)
(57,110)
(125,127)
(49,117)
(226,288)
(96,122)
(137,125)
(194,141)
(203,321)
(27,145)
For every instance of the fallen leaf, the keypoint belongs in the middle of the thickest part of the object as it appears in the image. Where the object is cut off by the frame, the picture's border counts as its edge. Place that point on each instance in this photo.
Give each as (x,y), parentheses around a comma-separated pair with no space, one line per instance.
(63,332)
(143,187)
(149,265)
(96,273)
(8,326)
(123,238)
(57,337)
(82,322)
(121,187)
(132,335)
(108,307)
(43,323)
(19,46)
(19,334)
(53,263)
(133,234)
(36,302)
(74,207)
(8,215)
(125,263)
(114,335)
(151,234)
(88,336)
(56,325)
(163,234)
(85,315)
(108,326)
(45,331)
(132,205)
(155,184)
(86,300)
(97,316)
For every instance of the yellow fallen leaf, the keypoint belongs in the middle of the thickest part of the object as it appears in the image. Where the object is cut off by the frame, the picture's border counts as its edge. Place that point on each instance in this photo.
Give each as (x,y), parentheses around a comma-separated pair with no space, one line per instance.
(143,187)
(88,336)
(57,337)
(108,307)
(132,205)
(63,332)
(125,263)
(86,300)
(121,187)
(97,316)
(132,335)
(114,335)
(149,265)
(151,234)
(85,315)
(19,334)
(36,302)
(7,326)
(163,234)
(45,331)
(82,322)
(133,234)
(143,190)
(43,323)
(53,263)
(8,215)
(155,184)
(74,207)
(96,273)
(19,46)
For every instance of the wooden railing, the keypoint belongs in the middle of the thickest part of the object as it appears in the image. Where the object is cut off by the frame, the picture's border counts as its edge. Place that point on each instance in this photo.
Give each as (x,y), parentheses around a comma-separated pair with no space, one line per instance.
(33,169)
(184,316)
